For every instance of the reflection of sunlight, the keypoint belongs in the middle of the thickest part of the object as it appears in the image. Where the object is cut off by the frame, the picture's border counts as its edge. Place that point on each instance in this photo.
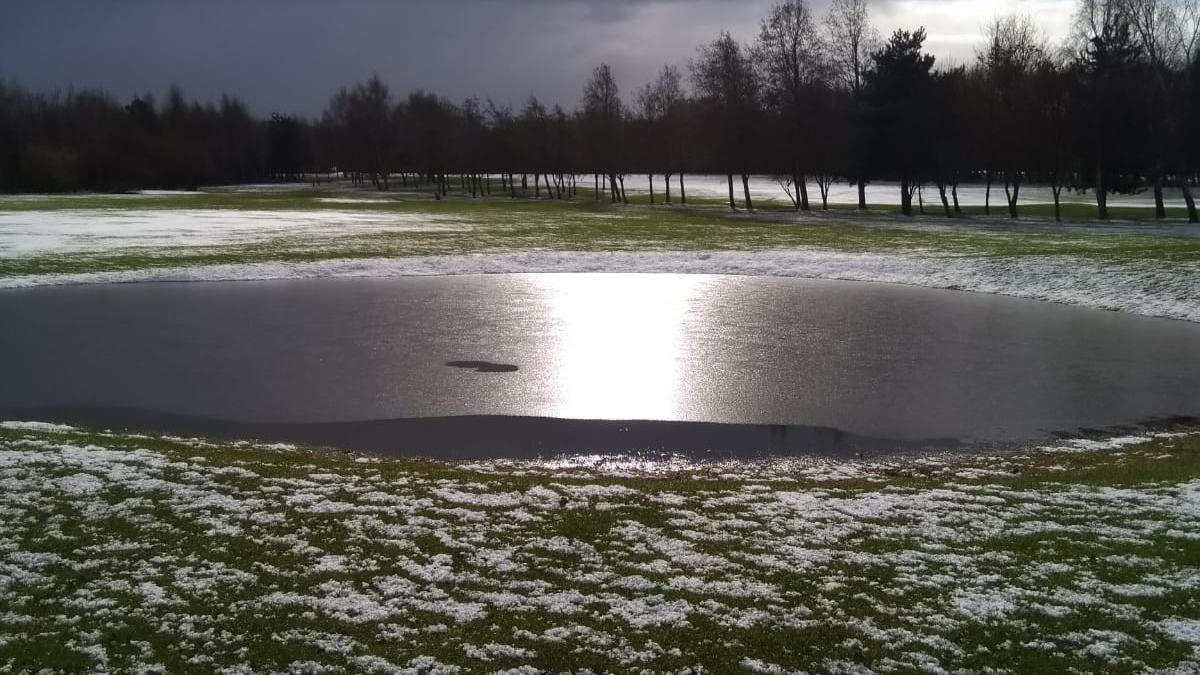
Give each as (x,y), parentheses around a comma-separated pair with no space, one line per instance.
(618,353)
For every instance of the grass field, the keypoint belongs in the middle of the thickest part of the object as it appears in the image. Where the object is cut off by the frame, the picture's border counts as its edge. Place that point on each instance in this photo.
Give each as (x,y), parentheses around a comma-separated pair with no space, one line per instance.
(142,554)
(1147,268)
(500,225)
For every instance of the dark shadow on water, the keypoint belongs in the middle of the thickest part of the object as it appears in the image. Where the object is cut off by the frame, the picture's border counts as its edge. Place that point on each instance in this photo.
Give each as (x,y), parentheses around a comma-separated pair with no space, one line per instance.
(483,366)
(493,437)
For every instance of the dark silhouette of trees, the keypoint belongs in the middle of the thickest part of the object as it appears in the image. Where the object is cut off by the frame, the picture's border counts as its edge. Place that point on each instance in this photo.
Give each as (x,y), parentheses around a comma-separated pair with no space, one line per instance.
(677,120)
(727,87)
(427,130)
(287,148)
(794,76)
(1055,141)
(603,115)
(851,42)
(1113,111)
(950,134)
(1110,59)
(898,90)
(1012,53)
(661,110)
(87,140)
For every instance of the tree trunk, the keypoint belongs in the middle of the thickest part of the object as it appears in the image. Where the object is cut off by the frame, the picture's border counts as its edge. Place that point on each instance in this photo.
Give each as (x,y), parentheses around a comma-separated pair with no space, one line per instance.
(823,186)
(596,178)
(624,197)
(941,188)
(905,198)
(803,193)
(987,194)
(954,193)
(1011,196)
(512,186)
(667,181)
(1057,190)
(862,195)
(682,192)
(651,187)
(732,206)
(1191,203)
(746,191)
(796,185)
(1160,211)
(537,185)
(921,197)
(1101,194)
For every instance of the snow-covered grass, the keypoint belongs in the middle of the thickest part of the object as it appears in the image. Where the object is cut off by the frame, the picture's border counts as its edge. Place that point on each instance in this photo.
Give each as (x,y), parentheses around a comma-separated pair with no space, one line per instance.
(123,553)
(257,234)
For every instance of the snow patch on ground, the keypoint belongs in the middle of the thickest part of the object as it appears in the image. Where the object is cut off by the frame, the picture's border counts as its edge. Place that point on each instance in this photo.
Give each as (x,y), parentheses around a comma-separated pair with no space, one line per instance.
(1151,290)
(92,232)
(368,564)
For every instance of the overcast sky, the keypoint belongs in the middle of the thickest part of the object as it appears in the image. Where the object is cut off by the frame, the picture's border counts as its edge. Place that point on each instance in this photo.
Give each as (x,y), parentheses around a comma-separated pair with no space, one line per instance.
(291,56)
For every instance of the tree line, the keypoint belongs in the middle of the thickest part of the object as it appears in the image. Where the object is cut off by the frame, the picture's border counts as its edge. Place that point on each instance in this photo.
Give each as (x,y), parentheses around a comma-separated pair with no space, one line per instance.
(812,100)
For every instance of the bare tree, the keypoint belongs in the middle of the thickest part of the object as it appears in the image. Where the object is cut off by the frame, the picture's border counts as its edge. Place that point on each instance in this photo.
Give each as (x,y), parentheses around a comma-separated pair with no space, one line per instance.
(725,81)
(1167,31)
(1188,15)
(852,40)
(659,104)
(365,115)
(790,57)
(603,113)
(1108,51)
(1012,51)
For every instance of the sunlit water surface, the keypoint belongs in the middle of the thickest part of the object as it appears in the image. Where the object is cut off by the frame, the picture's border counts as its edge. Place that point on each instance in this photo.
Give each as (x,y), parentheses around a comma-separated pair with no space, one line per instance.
(462,366)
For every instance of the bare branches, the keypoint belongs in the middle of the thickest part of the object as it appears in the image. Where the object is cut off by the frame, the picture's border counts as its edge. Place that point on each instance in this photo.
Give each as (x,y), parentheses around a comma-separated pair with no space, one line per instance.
(656,100)
(789,51)
(851,39)
(1013,44)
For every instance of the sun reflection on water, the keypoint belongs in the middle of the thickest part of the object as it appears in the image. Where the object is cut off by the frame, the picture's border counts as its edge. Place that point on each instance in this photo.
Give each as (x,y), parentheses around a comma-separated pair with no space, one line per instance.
(618,355)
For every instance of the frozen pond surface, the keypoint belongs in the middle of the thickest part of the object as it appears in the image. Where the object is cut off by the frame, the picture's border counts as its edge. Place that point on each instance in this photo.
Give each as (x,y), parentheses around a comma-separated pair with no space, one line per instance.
(801,365)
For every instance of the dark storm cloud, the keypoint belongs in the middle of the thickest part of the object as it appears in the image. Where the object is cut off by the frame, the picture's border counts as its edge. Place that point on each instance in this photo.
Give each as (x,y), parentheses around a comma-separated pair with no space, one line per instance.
(291,56)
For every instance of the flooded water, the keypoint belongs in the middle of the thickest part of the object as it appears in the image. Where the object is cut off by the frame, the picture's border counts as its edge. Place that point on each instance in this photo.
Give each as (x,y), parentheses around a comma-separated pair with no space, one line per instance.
(473,366)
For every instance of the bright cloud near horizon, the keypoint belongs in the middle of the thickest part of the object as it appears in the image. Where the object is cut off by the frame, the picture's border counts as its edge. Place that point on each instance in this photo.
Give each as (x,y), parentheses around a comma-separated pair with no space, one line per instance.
(291,56)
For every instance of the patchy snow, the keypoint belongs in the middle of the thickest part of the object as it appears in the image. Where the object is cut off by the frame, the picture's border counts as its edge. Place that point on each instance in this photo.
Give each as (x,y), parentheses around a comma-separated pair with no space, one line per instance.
(35,426)
(94,231)
(390,567)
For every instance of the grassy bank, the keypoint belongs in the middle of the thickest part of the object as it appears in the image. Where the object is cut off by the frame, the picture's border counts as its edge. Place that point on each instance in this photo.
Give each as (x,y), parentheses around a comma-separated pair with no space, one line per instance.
(140,554)
(370,226)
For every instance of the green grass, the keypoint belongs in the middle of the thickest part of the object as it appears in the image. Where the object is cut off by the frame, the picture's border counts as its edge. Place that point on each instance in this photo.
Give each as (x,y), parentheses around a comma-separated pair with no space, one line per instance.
(1028,562)
(499,224)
